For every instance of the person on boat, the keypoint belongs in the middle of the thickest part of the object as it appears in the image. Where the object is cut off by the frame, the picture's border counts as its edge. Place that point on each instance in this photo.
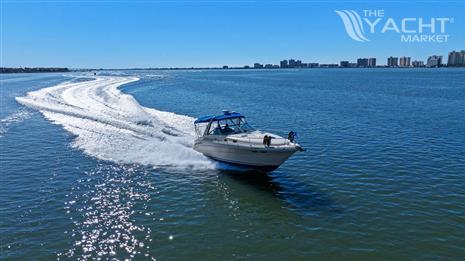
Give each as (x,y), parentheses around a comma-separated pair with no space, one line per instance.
(291,136)
(267,140)
(227,129)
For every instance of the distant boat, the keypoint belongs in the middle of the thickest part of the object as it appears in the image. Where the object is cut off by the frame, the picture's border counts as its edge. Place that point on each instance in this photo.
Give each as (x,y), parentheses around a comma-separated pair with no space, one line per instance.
(229,138)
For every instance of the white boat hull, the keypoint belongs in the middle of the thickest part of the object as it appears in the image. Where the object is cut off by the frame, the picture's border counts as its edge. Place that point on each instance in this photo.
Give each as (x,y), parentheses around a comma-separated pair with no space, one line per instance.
(254,155)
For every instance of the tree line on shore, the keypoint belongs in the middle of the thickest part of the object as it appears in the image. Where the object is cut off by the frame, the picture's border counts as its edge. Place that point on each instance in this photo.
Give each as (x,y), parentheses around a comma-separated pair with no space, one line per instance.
(32,70)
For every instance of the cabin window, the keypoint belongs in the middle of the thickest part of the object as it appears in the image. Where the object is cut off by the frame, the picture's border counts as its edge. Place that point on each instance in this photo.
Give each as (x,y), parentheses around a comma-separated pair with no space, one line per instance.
(229,126)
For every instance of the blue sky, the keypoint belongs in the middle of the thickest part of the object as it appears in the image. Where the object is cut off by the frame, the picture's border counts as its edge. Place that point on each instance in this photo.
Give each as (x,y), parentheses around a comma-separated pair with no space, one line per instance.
(124,34)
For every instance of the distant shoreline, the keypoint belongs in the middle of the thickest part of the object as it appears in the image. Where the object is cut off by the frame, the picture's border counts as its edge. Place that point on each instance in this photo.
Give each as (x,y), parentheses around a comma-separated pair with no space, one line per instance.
(4,70)
(33,70)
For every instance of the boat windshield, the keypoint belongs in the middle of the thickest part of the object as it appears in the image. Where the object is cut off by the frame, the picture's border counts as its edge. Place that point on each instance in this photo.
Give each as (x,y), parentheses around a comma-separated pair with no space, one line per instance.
(200,128)
(230,126)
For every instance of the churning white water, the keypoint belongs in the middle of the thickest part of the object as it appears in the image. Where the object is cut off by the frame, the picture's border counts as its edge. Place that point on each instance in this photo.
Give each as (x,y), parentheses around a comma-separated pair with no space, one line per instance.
(16,117)
(111,125)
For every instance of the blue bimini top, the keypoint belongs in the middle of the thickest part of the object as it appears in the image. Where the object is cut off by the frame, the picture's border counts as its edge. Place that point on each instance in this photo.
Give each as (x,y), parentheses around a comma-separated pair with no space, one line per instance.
(226,115)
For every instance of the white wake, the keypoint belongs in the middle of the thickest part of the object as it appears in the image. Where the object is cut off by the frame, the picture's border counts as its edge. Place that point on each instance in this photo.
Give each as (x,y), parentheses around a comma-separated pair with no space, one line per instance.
(16,117)
(111,125)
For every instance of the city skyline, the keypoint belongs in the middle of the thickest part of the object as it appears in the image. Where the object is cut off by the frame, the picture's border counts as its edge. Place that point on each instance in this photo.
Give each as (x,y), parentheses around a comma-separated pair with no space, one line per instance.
(455,59)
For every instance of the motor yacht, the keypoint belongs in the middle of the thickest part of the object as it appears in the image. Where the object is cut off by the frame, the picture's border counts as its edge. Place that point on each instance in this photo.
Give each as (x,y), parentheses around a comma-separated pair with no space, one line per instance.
(229,138)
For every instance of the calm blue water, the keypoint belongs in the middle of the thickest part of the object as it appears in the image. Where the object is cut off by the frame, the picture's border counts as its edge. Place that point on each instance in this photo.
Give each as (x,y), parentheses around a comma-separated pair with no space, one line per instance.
(88,173)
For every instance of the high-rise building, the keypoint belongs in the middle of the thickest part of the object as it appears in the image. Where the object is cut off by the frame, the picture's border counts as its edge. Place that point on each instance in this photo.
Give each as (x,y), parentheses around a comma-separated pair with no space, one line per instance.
(291,63)
(434,61)
(257,65)
(344,64)
(362,62)
(418,64)
(456,58)
(404,61)
(392,61)
(298,63)
(283,64)
(371,62)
